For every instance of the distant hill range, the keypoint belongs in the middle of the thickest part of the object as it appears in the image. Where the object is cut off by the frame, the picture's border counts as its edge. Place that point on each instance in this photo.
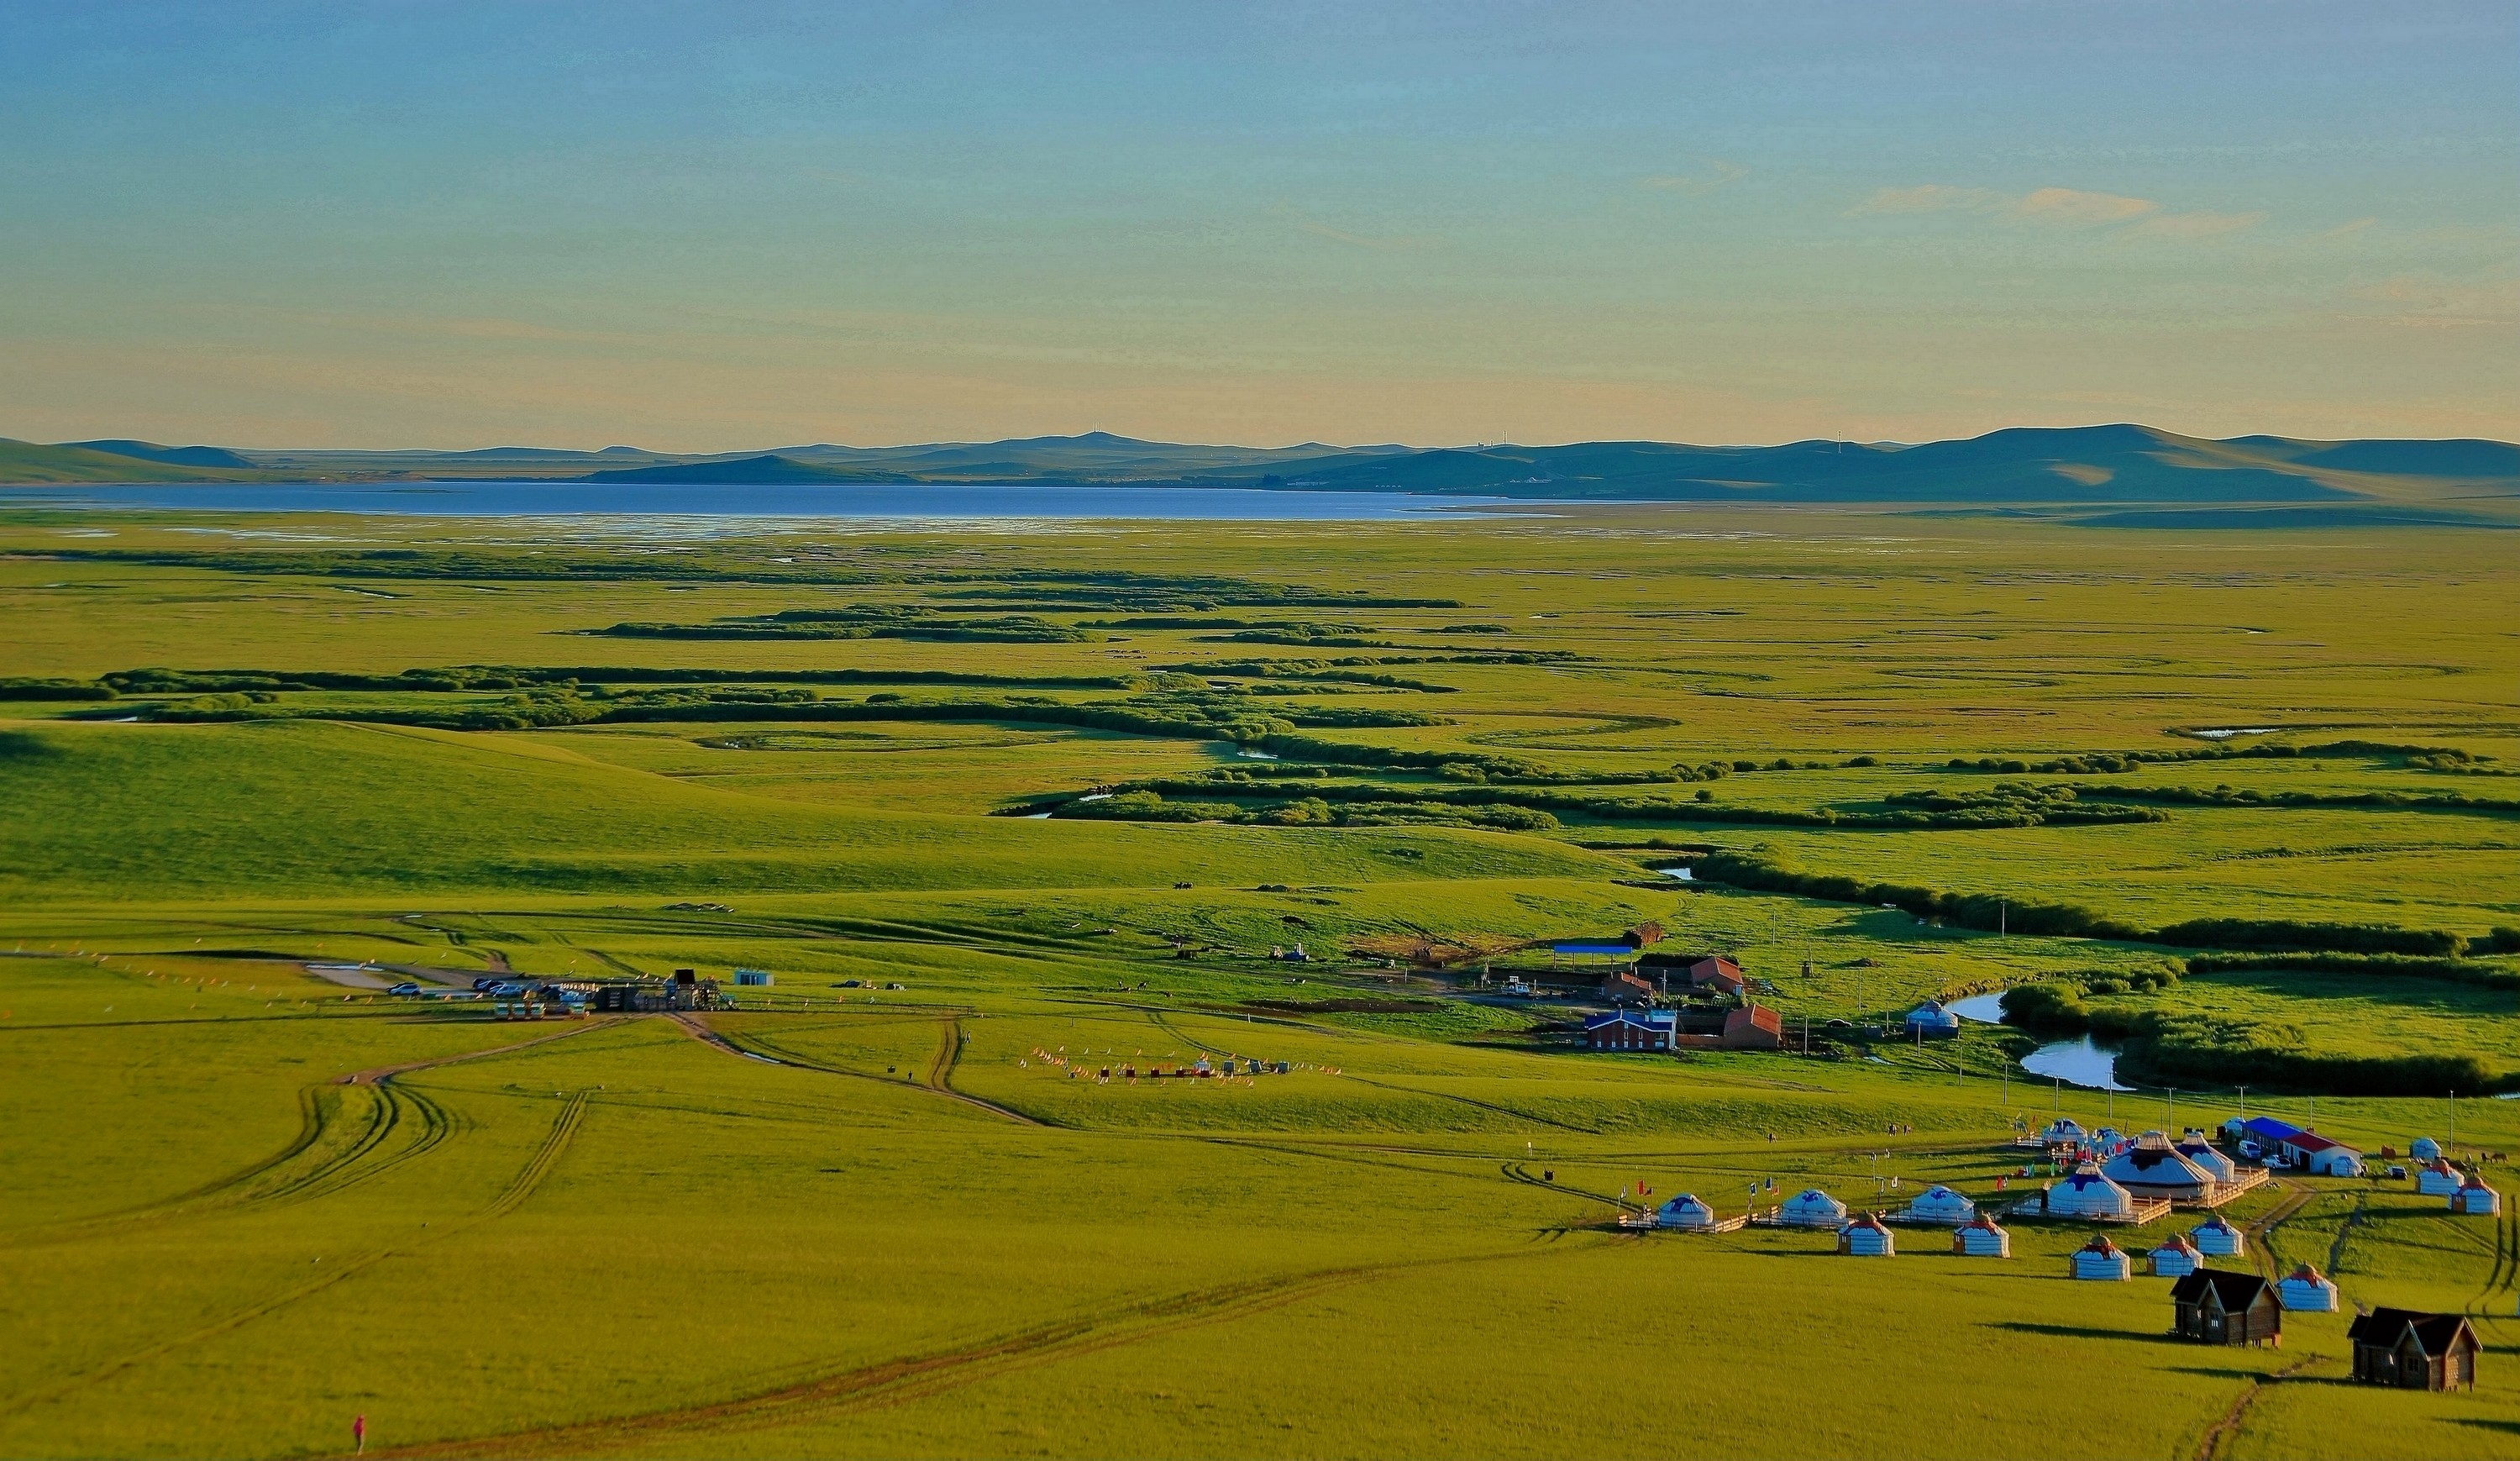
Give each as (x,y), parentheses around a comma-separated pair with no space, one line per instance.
(2024,465)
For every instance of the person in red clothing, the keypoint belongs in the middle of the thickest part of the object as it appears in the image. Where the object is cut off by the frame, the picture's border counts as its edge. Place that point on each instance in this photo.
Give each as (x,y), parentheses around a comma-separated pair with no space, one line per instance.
(359,1434)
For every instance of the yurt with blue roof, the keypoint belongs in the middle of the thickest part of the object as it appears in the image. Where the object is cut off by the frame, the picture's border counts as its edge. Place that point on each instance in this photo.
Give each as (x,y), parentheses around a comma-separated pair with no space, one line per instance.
(1687,1212)
(2208,1157)
(2103,1260)
(1933,1022)
(1939,1204)
(2088,1194)
(2064,1131)
(2425,1149)
(1812,1207)
(2216,1238)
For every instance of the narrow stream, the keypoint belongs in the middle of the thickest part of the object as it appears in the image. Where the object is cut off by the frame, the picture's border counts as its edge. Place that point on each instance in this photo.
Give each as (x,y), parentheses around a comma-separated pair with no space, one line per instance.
(2074,1062)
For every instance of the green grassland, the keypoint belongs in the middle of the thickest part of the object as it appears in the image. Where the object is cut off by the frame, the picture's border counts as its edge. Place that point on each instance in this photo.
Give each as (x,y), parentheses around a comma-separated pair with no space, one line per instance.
(848,1218)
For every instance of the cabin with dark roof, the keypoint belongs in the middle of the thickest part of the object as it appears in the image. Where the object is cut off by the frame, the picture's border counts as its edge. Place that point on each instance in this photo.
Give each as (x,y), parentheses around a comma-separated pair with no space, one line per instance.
(1629,1029)
(2217,1306)
(2415,1350)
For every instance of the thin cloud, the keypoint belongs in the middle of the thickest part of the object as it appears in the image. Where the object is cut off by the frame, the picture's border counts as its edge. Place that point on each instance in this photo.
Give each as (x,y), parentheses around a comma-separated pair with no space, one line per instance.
(2068,208)
(1695,184)
(1930,198)
(1320,230)
(2343,231)
(2202,224)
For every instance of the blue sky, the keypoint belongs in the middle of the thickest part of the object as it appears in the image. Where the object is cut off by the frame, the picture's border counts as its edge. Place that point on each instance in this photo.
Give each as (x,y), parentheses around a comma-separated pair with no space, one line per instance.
(714,226)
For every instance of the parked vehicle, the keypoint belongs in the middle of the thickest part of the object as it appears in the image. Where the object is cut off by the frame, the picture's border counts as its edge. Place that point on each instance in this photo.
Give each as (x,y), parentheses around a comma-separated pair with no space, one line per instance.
(506,989)
(406,990)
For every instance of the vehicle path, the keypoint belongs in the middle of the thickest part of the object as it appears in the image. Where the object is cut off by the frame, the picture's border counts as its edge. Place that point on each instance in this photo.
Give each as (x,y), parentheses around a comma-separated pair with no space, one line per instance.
(536,1169)
(2219,1436)
(901,1381)
(936,1080)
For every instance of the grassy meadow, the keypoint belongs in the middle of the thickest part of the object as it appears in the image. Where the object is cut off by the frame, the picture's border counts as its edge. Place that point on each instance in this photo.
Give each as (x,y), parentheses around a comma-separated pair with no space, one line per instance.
(1003,809)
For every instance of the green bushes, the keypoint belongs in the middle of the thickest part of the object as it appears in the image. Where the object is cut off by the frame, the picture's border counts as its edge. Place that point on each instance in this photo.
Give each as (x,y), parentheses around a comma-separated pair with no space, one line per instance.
(23,687)
(2319,937)
(2422,757)
(2378,966)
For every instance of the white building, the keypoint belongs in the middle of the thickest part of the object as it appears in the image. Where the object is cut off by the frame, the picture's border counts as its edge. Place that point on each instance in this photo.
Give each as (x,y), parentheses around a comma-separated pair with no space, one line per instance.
(2217,1238)
(2476,1200)
(1684,1211)
(1980,1237)
(2304,1289)
(1939,1204)
(2206,1157)
(1867,1238)
(2153,1167)
(2425,1149)
(2438,1178)
(2103,1260)
(1812,1207)
(2088,1194)
(2176,1257)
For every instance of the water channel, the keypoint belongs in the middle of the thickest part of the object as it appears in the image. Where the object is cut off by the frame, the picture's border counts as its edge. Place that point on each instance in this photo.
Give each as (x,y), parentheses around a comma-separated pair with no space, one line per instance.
(2074,1062)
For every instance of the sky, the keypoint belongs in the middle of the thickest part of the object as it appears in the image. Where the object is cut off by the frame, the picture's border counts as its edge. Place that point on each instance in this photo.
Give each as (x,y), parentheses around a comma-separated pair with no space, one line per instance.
(720,226)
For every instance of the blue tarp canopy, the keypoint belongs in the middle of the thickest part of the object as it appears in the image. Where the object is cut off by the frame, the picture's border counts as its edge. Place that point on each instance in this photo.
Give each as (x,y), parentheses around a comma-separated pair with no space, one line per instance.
(1592,948)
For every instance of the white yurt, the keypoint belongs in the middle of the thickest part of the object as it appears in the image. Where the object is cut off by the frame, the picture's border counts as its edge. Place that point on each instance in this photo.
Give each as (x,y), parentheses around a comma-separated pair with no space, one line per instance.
(2064,1131)
(2176,1257)
(2153,1168)
(2103,1259)
(1939,1204)
(1980,1237)
(1686,1210)
(2206,1156)
(1812,1207)
(2217,1238)
(2425,1149)
(1867,1238)
(2476,1200)
(2088,1194)
(2438,1178)
(2306,1289)
(2108,1139)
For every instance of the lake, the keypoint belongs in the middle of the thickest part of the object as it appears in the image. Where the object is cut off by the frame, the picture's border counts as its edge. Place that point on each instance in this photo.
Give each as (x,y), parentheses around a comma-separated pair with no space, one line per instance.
(897,503)
(2073,1062)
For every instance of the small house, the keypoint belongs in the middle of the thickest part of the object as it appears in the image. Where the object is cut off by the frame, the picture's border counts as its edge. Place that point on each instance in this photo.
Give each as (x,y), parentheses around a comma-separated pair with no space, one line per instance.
(1624,988)
(1940,1204)
(2176,1257)
(2438,1178)
(1812,1207)
(2217,1238)
(2424,1149)
(1686,1211)
(2476,1200)
(2315,1154)
(1753,1027)
(2215,1307)
(2204,1156)
(1718,974)
(1629,1029)
(2090,1194)
(2153,1168)
(751,978)
(1980,1237)
(2413,1351)
(2103,1260)
(1932,1022)
(2307,1290)
(1867,1238)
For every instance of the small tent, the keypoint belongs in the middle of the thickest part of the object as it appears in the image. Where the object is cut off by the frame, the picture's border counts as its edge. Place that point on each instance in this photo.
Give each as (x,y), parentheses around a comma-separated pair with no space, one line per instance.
(1940,1205)
(2438,1178)
(2476,1200)
(1980,1237)
(1933,1022)
(2064,1131)
(1812,1207)
(2217,1238)
(2425,1149)
(1867,1238)
(1684,1211)
(2088,1194)
(2103,1259)
(2205,1156)
(2304,1290)
(2107,1140)
(2176,1257)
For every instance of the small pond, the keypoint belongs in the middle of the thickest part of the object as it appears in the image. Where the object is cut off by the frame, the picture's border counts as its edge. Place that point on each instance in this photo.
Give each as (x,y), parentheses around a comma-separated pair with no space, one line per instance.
(2073,1062)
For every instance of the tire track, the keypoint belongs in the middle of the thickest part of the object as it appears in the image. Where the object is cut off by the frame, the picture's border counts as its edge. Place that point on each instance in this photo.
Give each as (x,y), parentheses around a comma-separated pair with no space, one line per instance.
(2260,1230)
(536,1169)
(934,1080)
(2219,1435)
(902,1381)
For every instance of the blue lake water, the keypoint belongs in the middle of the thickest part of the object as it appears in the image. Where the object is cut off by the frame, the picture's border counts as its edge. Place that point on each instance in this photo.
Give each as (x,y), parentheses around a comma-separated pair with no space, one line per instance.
(581,499)
(2073,1062)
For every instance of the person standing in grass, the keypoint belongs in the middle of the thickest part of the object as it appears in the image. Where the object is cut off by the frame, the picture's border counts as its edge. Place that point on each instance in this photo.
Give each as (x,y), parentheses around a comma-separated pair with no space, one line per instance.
(359,1434)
